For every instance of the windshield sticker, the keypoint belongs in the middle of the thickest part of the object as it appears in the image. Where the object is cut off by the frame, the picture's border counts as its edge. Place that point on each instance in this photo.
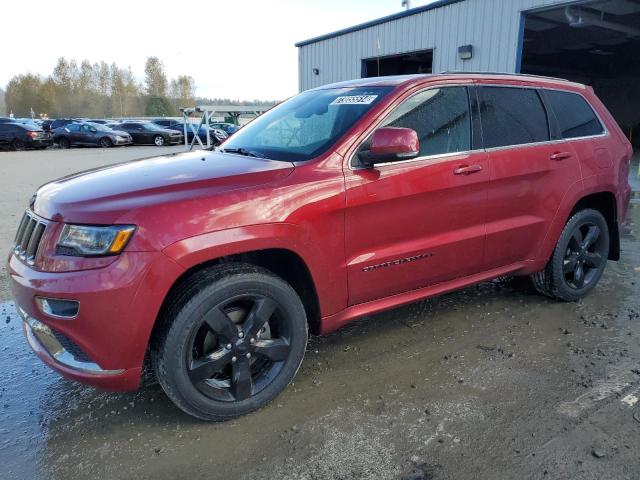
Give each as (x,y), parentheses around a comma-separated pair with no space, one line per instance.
(354,100)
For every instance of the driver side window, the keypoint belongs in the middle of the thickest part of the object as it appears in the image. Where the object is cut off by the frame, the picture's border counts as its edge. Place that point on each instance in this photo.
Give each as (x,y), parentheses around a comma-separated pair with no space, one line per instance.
(440,117)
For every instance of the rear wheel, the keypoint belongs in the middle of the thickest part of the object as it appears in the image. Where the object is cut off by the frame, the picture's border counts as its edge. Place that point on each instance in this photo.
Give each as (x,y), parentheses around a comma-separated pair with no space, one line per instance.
(578,260)
(18,145)
(233,340)
(105,142)
(158,140)
(64,143)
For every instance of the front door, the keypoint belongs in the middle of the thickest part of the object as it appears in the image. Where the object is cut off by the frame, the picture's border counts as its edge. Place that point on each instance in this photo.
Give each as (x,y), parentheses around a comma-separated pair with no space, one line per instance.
(416,223)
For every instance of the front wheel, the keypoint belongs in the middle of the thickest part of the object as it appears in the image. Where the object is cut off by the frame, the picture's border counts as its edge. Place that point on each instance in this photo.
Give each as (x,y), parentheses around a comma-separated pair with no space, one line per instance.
(158,140)
(578,259)
(105,142)
(231,341)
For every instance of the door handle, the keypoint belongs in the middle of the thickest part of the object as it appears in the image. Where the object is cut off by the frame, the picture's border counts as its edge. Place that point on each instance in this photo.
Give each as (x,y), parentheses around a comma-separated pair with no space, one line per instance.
(467,169)
(560,155)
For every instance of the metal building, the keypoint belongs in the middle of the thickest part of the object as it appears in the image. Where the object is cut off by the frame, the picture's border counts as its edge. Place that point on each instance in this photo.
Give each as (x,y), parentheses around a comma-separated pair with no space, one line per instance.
(591,41)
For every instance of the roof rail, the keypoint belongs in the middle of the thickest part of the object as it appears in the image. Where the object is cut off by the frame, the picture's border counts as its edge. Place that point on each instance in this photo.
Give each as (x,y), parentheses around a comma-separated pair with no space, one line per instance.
(457,72)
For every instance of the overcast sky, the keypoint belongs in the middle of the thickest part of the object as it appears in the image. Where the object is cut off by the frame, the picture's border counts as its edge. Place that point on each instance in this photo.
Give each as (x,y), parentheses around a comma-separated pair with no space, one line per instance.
(240,49)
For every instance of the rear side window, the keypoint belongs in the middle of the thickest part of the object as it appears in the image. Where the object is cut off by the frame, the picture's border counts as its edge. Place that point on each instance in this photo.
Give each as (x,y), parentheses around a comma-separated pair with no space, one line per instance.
(440,117)
(512,116)
(575,116)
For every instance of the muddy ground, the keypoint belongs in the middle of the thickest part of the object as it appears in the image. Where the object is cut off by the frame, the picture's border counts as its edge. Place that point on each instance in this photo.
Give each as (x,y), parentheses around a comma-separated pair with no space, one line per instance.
(491,382)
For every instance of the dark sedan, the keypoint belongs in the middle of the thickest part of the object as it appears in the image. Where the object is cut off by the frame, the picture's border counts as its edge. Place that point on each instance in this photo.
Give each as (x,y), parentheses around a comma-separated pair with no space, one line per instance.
(20,136)
(147,133)
(89,134)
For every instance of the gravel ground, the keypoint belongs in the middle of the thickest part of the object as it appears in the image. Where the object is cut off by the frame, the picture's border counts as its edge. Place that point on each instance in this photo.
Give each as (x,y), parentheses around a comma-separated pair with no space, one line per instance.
(493,381)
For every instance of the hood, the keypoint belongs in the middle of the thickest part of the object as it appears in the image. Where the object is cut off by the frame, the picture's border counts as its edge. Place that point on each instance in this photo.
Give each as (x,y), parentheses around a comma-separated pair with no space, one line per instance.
(104,195)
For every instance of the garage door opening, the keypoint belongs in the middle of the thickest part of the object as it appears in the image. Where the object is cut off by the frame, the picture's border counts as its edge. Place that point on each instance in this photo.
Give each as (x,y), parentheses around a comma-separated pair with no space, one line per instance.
(415,62)
(596,43)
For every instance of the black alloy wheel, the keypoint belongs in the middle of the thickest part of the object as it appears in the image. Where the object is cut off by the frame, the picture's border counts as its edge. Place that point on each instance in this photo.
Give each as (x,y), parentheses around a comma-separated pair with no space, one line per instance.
(64,143)
(105,142)
(231,339)
(239,347)
(585,255)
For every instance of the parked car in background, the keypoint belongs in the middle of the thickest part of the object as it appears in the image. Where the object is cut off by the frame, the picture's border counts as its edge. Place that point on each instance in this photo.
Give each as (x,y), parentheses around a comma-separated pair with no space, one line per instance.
(148,133)
(228,128)
(20,136)
(217,136)
(101,121)
(165,122)
(90,134)
(7,120)
(59,122)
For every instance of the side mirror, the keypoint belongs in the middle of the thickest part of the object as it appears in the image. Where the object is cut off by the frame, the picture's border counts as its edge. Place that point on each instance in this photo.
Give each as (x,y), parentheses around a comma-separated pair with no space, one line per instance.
(392,144)
(93,130)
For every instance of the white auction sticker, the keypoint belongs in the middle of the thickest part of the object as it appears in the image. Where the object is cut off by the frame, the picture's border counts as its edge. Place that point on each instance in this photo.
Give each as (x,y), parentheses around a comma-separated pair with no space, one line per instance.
(354,100)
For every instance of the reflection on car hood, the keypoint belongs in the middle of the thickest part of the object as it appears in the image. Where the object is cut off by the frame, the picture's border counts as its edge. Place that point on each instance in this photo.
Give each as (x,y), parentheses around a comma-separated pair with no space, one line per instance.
(102,195)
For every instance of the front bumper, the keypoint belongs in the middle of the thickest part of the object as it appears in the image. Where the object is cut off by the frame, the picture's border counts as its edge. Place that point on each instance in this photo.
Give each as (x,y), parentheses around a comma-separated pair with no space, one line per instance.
(106,343)
(48,348)
(124,141)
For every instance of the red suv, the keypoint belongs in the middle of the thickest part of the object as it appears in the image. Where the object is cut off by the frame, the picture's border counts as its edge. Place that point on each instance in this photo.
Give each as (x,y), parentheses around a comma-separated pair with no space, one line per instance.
(211,267)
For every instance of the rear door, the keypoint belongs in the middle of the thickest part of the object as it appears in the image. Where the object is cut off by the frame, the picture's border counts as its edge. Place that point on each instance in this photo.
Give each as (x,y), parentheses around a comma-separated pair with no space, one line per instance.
(531,169)
(73,133)
(415,223)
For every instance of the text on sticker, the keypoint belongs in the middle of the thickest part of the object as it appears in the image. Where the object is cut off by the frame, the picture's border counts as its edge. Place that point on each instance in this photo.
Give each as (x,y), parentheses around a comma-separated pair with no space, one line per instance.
(354,100)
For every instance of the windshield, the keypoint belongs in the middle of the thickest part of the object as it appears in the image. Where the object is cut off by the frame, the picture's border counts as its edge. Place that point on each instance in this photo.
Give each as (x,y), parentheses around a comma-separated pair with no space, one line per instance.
(306,125)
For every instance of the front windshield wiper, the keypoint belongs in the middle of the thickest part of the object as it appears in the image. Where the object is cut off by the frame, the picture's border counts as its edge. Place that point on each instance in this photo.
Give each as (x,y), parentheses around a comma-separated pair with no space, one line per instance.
(243,151)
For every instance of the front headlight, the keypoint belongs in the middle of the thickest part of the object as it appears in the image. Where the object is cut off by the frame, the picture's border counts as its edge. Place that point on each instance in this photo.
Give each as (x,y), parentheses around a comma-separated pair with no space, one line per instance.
(89,241)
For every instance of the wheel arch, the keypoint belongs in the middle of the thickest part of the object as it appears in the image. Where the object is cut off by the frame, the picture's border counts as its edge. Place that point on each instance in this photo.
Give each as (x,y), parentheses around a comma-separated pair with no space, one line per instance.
(577,198)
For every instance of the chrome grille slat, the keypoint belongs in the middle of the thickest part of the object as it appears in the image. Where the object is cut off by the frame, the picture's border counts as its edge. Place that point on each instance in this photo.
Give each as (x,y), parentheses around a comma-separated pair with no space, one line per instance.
(23,224)
(34,243)
(28,237)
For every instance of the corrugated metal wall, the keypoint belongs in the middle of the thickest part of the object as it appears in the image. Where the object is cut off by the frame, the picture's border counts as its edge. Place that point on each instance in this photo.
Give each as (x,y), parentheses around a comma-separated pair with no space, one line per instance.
(491,26)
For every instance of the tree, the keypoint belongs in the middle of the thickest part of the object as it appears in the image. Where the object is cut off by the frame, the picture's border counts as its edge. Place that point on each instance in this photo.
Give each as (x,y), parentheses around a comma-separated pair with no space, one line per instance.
(159,107)
(182,91)
(2,103)
(155,78)
(24,93)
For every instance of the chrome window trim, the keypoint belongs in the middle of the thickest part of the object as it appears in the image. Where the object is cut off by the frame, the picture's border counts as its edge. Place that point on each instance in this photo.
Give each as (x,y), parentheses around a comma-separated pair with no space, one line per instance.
(417,159)
(605,130)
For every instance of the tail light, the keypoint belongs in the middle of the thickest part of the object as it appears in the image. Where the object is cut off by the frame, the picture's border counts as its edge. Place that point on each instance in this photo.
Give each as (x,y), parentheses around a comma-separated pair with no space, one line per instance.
(32,134)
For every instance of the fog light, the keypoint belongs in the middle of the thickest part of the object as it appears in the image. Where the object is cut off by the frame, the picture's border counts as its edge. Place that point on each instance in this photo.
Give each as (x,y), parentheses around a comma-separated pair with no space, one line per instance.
(58,308)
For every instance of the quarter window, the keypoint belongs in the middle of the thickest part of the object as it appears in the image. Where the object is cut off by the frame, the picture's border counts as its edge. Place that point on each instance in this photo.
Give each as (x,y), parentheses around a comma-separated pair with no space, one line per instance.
(575,116)
(512,116)
(440,117)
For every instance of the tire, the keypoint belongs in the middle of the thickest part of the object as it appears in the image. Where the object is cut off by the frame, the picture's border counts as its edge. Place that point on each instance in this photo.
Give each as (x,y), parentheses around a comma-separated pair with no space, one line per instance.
(105,142)
(18,145)
(158,141)
(64,143)
(248,370)
(578,260)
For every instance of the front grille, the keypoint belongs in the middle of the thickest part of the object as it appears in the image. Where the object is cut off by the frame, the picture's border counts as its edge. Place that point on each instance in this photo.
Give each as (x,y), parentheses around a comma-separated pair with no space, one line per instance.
(28,237)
